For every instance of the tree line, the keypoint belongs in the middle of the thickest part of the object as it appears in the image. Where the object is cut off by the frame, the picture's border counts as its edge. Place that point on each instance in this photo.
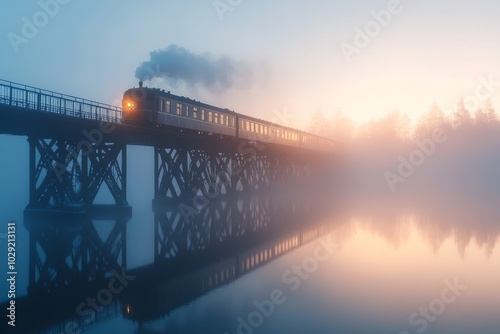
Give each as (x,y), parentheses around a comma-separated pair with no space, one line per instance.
(397,125)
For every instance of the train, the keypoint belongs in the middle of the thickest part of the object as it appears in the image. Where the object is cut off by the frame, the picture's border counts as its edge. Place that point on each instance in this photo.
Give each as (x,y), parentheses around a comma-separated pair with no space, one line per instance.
(154,107)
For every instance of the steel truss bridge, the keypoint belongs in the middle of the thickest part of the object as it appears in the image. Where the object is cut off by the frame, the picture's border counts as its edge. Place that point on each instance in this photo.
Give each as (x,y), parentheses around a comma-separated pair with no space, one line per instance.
(203,189)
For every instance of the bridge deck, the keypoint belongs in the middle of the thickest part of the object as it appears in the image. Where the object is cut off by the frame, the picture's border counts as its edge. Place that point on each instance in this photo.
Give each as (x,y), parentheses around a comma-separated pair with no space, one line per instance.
(30,111)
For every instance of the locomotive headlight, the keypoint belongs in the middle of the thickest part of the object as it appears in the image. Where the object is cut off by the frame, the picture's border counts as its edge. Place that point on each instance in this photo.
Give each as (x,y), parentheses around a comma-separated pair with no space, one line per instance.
(128,105)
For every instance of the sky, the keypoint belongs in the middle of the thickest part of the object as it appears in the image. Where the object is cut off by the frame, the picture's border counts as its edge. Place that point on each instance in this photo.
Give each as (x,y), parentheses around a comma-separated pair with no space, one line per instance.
(295,51)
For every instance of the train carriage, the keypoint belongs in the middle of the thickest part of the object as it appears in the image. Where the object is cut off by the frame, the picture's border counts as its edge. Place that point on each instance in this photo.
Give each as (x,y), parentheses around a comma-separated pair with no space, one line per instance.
(153,107)
(251,128)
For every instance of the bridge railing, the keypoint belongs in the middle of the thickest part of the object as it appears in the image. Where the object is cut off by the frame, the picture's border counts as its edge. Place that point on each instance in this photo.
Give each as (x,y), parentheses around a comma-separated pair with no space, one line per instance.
(27,97)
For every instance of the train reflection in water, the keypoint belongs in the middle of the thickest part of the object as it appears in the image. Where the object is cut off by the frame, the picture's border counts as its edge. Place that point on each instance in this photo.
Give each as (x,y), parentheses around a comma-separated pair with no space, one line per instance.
(151,298)
(241,235)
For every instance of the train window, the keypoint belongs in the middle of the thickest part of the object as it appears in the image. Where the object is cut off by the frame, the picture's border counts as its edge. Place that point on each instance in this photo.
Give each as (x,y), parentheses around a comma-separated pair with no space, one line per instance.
(195,112)
(187,111)
(179,109)
(248,126)
(167,106)
(227,120)
(202,114)
(233,122)
(210,116)
(161,104)
(252,127)
(216,117)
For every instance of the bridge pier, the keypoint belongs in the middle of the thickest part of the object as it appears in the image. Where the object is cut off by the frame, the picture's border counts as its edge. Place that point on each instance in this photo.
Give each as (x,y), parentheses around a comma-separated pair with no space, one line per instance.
(55,173)
(108,165)
(197,194)
(67,248)
(62,173)
(67,251)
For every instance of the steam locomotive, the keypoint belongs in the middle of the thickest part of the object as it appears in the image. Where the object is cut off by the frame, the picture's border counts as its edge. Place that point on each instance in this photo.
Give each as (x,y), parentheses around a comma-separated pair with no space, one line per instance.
(153,107)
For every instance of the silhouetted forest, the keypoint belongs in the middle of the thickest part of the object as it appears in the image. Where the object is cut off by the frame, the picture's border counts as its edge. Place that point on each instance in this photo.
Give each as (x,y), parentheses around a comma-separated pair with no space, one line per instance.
(444,155)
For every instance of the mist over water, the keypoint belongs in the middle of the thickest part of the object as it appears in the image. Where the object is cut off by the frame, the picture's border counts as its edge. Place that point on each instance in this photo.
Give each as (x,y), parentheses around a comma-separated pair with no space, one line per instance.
(442,157)
(409,208)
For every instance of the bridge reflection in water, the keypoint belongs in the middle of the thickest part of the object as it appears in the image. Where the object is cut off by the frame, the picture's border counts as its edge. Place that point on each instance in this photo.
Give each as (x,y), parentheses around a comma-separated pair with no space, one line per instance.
(79,279)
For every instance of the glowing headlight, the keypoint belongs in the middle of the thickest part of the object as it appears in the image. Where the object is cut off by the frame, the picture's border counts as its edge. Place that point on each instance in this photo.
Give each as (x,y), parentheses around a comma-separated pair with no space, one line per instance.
(128,105)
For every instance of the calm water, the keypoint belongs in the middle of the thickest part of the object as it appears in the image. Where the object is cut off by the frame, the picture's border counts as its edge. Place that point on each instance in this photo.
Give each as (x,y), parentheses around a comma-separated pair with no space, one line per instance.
(395,266)
(406,276)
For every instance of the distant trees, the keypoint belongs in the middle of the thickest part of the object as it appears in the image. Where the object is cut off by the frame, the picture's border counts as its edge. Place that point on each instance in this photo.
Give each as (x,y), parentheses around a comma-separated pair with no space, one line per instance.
(461,117)
(435,118)
(340,127)
(485,115)
(397,125)
(386,151)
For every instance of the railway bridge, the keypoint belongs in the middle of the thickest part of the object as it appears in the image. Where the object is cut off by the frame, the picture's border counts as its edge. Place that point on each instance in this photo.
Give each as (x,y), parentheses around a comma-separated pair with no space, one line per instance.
(202,186)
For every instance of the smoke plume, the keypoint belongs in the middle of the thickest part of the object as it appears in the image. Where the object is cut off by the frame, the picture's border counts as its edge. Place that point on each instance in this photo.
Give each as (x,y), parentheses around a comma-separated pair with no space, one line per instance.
(177,64)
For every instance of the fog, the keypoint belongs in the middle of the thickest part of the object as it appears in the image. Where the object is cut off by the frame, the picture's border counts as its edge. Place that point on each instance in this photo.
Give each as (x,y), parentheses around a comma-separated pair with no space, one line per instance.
(442,156)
